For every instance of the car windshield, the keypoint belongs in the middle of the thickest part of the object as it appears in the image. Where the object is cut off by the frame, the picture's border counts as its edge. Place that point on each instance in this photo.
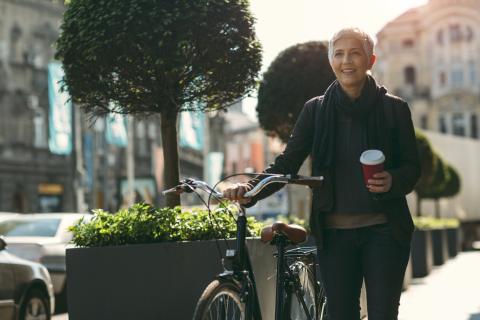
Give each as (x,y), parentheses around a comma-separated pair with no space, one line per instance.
(29,228)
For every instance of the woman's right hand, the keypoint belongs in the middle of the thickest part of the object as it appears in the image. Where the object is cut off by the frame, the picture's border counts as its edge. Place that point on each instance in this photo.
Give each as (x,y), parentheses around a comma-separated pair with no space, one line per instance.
(237,191)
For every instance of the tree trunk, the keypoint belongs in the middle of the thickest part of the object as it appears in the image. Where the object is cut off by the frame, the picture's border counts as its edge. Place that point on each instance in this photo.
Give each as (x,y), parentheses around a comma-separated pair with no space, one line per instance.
(419,206)
(437,209)
(170,155)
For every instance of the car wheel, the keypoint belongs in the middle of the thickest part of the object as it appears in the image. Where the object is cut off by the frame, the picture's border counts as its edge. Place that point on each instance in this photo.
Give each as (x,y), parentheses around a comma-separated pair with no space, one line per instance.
(35,306)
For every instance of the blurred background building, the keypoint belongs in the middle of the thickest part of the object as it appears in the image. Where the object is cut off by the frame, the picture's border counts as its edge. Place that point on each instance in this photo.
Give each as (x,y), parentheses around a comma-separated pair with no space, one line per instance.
(430,55)
(36,178)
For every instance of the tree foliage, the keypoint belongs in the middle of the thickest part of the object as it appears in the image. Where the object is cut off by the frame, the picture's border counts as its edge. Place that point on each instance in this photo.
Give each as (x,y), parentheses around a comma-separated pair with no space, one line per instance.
(158,56)
(438,181)
(453,185)
(428,160)
(297,74)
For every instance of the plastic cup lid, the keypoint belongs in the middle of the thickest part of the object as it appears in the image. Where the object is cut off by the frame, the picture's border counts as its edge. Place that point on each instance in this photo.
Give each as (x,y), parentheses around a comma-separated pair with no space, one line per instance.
(372,157)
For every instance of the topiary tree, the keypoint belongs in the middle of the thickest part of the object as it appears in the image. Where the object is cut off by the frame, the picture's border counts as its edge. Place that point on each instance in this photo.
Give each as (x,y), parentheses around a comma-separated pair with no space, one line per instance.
(449,189)
(297,74)
(148,56)
(435,188)
(428,159)
(454,184)
(428,165)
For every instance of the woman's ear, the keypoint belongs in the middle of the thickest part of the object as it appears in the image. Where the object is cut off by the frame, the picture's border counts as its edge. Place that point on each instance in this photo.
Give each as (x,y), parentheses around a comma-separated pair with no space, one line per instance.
(373,58)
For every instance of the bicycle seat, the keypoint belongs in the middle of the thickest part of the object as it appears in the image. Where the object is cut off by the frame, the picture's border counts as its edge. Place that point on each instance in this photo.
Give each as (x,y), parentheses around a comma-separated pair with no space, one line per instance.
(294,233)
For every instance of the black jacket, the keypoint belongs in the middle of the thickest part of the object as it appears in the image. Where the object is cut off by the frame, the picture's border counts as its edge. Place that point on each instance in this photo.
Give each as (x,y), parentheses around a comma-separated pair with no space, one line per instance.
(404,166)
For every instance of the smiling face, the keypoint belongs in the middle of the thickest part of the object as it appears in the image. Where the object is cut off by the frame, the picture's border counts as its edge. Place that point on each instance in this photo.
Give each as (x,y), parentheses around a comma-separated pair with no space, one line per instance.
(350,63)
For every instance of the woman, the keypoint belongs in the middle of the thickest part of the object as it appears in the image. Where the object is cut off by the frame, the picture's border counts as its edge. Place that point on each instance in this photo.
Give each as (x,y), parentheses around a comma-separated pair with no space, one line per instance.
(363,231)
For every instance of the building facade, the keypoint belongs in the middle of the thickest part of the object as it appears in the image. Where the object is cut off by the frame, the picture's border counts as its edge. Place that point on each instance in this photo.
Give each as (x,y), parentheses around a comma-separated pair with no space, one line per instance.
(31,178)
(430,56)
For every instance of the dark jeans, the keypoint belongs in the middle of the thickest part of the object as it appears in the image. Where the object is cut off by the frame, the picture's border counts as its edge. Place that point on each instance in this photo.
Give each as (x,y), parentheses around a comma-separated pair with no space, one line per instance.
(352,255)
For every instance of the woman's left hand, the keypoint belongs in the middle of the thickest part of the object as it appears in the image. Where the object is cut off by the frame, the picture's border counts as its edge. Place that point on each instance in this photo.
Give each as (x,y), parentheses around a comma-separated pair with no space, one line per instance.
(382,182)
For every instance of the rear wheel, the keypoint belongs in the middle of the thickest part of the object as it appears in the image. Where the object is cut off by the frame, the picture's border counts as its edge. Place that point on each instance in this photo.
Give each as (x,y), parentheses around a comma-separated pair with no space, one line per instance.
(306,280)
(220,301)
(322,305)
(35,306)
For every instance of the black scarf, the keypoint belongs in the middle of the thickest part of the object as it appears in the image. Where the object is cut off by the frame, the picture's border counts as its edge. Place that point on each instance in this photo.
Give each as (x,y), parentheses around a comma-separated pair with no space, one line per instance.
(368,108)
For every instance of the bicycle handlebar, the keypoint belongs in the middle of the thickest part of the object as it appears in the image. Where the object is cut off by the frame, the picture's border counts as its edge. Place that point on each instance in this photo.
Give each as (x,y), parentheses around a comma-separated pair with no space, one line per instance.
(189,185)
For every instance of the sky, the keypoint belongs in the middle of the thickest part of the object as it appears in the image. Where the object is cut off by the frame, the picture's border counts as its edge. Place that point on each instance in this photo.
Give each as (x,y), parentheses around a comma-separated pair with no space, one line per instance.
(283,23)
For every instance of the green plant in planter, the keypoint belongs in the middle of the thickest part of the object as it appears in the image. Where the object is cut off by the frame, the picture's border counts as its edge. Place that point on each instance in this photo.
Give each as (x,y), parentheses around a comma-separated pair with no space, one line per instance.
(143,223)
(430,223)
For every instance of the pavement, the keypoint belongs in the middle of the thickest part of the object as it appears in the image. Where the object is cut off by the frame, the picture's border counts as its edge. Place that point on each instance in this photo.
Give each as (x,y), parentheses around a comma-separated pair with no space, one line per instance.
(449,292)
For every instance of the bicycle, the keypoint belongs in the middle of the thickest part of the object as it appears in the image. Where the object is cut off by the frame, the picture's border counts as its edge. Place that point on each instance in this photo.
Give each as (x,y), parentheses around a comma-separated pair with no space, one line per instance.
(232,294)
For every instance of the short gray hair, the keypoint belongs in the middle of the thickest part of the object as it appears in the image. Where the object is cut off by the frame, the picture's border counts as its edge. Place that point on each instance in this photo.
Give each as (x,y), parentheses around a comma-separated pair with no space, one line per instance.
(356,33)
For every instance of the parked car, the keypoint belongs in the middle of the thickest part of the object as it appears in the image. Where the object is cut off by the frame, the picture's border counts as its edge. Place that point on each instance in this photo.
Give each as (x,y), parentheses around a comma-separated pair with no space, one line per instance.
(26,290)
(6,215)
(43,238)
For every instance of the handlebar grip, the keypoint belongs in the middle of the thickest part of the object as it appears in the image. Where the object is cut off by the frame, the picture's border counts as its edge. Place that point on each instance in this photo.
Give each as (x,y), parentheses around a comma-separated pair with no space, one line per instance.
(313,182)
(178,190)
(175,190)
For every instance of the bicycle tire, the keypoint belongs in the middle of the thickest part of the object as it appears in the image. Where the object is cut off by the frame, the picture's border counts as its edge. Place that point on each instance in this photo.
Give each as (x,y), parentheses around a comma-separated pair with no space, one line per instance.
(321,304)
(220,301)
(305,277)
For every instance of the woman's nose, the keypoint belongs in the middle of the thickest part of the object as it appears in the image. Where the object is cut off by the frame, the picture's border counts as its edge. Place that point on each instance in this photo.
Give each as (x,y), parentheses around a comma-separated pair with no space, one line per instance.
(347,58)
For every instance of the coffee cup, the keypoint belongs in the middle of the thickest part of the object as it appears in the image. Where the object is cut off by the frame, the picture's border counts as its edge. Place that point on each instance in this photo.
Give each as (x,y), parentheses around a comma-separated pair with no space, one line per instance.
(372,162)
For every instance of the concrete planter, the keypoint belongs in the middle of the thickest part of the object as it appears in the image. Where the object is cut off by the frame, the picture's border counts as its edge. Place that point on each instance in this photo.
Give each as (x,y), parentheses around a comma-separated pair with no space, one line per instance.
(155,281)
(440,246)
(454,241)
(159,281)
(421,253)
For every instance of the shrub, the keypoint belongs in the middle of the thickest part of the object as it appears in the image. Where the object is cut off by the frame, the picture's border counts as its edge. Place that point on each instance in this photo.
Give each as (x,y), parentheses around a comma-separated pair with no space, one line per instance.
(142,223)
(429,223)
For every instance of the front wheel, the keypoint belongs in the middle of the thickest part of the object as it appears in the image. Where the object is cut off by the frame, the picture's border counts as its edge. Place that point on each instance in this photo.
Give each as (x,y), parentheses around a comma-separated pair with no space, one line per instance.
(35,306)
(220,301)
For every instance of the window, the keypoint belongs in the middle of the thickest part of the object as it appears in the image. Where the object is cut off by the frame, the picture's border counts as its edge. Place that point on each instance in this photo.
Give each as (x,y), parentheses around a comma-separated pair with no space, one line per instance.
(472,71)
(455,33)
(30,228)
(457,77)
(440,37)
(423,121)
(442,79)
(15,34)
(469,35)
(409,73)
(474,126)
(408,43)
(458,124)
(442,124)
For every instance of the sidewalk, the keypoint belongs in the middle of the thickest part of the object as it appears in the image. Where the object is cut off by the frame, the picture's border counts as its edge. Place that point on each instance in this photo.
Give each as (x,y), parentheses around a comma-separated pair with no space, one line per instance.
(450,292)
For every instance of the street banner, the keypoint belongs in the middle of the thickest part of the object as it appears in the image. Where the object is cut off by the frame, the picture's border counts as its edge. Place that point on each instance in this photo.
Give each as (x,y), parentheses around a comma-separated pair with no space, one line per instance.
(88,154)
(116,132)
(191,132)
(60,113)
(214,167)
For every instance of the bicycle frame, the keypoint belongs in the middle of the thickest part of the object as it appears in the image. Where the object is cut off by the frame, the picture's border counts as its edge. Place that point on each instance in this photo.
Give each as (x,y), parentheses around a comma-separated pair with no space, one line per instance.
(241,270)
